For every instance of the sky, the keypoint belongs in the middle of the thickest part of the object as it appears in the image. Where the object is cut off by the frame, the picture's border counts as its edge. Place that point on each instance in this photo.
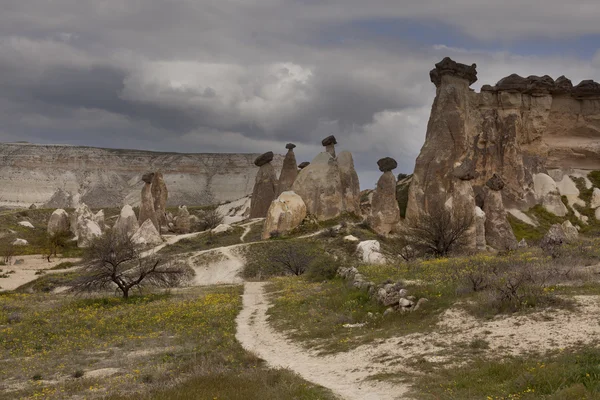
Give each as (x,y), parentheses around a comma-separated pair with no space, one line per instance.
(252,75)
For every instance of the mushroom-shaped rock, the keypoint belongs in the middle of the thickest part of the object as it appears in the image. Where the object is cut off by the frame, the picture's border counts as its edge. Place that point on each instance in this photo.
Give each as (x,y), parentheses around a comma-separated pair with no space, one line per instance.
(160,194)
(182,223)
(127,224)
(58,222)
(285,213)
(451,68)
(385,213)
(369,251)
(329,142)
(387,164)
(147,234)
(289,171)
(465,171)
(265,187)
(148,177)
(147,211)
(303,164)
(264,158)
(290,146)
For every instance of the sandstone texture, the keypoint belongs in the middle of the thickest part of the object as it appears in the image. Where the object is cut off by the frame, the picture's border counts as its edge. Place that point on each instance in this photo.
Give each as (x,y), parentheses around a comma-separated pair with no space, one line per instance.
(127,223)
(498,232)
(53,174)
(350,183)
(182,223)
(58,222)
(147,211)
(147,234)
(264,192)
(160,194)
(385,213)
(370,252)
(289,171)
(285,213)
(480,219)
(87,230)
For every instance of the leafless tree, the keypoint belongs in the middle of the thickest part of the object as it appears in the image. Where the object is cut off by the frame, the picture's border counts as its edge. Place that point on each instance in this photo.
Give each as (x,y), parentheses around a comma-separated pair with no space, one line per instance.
(440,230)
(54,243)
(211,219)
(8,252)
(293,257)
(113,261)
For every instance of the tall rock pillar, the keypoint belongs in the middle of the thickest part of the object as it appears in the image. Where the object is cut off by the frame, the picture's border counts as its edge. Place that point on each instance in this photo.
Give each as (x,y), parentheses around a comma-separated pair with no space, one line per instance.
(385,213)
(289,171)
(265,186)
(160,194)
(147,210)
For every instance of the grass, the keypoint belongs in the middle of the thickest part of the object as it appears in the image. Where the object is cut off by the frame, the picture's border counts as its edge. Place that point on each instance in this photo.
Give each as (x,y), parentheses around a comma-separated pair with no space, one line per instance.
(48,282)
(570,374)
(205,241)
(255,234)
(161,345)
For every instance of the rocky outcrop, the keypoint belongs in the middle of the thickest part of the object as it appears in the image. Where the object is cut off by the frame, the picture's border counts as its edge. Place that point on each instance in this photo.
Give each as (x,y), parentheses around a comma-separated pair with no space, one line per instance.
(147,235)
(370,252)
(329,142)
(160,194)
(265,186)
(58,222)
(547,194)
(182,223)
(498,232)
(147,211)
(98,218)
(285,213)
(385,213)
(303,165)
(82,212)
(480,219)
(51,174)
(350,183)
(87,231)
(127,223)
(289,171)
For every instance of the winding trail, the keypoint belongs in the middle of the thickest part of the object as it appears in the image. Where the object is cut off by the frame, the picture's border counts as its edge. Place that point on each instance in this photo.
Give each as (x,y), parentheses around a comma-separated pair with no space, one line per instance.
(343,373)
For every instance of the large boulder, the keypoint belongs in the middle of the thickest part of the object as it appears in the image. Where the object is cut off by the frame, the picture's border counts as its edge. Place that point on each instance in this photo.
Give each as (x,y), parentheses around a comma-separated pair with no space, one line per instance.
(160,194)
(182,223)
(370,252)
(285,213)
(548,195)
(350,183)
(554,238)
(595,203)
(385,213)
(498,232)
(147,211)
(571,233)
(147,234)
(59,222)
(81,212)
(265,187)
(127,223)
(289,171)
(480,229)
(87,231)
(320,186)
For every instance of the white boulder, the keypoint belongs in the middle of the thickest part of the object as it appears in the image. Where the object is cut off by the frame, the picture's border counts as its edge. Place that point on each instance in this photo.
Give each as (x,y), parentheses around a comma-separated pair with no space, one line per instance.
(547,193)
(351,238)
(127,224)
(98,218)
(222,228)
(58,222)
(595,203)
(369,251)
(20,242)
(285,213)
(147,234)
(26,224)
(87,230)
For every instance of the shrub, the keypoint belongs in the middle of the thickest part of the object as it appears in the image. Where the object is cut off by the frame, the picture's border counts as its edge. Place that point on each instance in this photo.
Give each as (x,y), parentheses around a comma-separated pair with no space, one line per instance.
(323,267)
(210,220)
(277,258)
(78,373)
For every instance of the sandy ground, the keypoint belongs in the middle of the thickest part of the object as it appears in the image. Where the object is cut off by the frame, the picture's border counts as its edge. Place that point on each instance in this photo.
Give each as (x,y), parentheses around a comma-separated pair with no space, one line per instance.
(223,271)
(343,373)
(25,272)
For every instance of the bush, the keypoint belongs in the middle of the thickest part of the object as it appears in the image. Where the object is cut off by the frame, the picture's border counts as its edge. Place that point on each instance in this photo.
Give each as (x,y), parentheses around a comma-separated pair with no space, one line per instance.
(278,258)
(210,220)
(323,267)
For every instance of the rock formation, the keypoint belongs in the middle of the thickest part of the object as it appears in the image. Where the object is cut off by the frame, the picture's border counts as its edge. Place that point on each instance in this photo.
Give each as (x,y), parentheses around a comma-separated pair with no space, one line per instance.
(147,211)
(87,230)
(59,222)
(480,229)
(498,232)
(385,213)
(303,165)
(265,186)
(127,223)
(82,212)
(447,144)
(329,185)
(285,213)
(160,194)
(370,252)
(289,171)
(147,234)
(98,218)
(329,142)
(182,223)
(51,174)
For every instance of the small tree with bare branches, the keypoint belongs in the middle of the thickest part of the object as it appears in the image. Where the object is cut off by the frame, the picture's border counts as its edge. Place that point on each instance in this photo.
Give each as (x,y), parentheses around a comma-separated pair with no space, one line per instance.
(114,262)
(440,230)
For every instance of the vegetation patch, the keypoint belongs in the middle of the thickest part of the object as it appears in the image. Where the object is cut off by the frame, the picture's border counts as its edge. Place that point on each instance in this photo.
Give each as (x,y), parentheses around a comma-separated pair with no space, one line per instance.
(205,241)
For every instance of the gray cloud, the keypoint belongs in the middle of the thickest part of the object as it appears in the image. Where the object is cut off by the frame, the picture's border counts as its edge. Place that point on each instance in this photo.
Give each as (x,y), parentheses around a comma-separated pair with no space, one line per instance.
(234,76)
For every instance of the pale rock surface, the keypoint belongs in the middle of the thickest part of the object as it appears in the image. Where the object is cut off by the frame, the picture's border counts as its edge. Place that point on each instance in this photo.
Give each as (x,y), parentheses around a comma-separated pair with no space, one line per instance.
(20,242)
(351,238)
(147,234)
(521,216)
(320,186)
(285,213)
(498,232)
(87,231)
(370,252)
(98,218)
(26,224)
(480,229)
(548,195)
(222,228)
(160,194)
(568,188)
(289,171)
(597,213)
(265,188)
(58,222)
(385,213)
(182,223)
(595,203)
(82,212)
(350,183)
(147,211)
(235,211)
(570,231)
(127,224)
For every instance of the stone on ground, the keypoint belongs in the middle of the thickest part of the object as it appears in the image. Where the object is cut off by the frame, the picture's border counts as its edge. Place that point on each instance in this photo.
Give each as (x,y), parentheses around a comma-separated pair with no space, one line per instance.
(127,224)
(369,251)
(59,222)
(147,235)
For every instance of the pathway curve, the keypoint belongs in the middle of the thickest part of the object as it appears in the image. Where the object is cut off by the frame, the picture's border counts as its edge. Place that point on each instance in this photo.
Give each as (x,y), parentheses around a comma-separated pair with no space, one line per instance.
(343,373)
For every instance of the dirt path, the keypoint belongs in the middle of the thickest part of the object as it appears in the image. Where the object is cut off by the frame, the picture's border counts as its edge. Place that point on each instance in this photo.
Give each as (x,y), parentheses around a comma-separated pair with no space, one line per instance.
(217,266)
(343,373)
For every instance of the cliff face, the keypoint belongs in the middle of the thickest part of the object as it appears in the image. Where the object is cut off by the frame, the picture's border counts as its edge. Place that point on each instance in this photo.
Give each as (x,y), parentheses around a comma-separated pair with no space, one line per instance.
(33,174)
